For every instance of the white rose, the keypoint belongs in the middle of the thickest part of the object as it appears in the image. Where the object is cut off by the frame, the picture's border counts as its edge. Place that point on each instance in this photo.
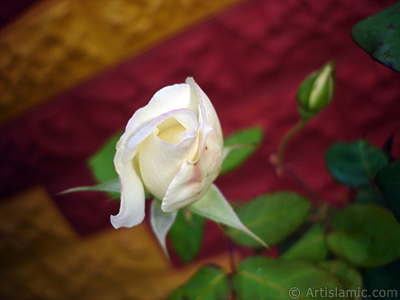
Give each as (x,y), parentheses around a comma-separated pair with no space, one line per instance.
(172,147)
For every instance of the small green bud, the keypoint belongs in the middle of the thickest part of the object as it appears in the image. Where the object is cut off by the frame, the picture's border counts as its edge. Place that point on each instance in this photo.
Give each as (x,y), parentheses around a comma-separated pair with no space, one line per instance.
(316,91)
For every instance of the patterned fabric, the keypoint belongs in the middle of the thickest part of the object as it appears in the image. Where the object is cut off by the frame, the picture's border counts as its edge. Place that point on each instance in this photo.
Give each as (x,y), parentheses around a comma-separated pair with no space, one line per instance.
(57,44)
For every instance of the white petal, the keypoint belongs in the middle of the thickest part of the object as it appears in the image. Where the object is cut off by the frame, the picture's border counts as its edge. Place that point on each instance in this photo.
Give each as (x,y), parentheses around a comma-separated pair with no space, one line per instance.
(160,161)
(195,177)
(165,100)
(129,142)
(132,190)
(203,100)
(132,204)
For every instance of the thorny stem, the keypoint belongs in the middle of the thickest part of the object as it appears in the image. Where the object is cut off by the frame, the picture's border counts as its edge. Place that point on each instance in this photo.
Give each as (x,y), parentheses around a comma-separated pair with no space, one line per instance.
(282,146)
(280,167)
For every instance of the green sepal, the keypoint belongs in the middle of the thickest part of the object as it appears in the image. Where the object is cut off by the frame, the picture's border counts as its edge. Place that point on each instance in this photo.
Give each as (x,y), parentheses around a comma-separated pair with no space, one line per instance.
(161,223)
(111,186)
(214,206)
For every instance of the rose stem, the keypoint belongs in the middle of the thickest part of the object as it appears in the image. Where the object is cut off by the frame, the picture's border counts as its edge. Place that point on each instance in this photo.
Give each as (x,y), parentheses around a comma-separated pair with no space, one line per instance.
(285,140)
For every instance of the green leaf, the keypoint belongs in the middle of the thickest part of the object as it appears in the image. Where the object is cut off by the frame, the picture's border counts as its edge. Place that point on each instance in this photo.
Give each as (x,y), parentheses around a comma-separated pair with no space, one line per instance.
(365,235)
(349,276)
(102,163)
(161,222)
(354,164)
(272,217)
(388,181)
(111,186)
(214,206)
(239,146)
(186,234)
(379,36)
(368,195)
(310,247)
(260,278)
(209,283)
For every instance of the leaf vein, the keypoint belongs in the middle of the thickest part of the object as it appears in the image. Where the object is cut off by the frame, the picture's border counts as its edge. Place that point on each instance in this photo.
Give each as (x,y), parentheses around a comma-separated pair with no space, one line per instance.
(215,281)
(263,281)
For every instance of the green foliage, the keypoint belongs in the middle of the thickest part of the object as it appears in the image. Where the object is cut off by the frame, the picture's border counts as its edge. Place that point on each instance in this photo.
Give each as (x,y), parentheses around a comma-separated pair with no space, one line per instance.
(268,278)
(239,146)
(348,275)
(209,283)
(186,234)
(354,164)
(272,217)
(368,195)
(311,246)
(365,235)
(388,181)
(379,36)
(161,222)
(214,206)
(102,164)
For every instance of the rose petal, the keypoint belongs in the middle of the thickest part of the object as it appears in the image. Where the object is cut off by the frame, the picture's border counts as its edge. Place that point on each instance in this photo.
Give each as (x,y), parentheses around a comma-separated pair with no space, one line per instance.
(132,191)
(165,100)
(132,204)
(204,102)
(129,142)
(195,177)
(160,161)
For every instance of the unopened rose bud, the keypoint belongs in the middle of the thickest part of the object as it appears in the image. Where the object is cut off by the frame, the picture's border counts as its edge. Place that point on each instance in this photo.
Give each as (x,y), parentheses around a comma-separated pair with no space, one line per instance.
(316,91)
(172,147)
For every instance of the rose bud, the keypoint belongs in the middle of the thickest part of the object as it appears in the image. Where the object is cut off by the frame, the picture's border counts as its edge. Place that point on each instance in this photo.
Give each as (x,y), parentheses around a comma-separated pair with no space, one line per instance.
(172,148)
(316,91)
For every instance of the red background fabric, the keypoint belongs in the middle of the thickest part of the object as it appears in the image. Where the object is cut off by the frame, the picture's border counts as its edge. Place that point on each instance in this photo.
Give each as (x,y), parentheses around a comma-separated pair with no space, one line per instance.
(9,10)
(249,60)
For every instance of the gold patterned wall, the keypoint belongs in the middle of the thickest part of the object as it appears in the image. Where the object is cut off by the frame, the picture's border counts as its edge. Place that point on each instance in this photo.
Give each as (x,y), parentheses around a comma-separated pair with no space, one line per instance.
(42,258)
(58,43)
